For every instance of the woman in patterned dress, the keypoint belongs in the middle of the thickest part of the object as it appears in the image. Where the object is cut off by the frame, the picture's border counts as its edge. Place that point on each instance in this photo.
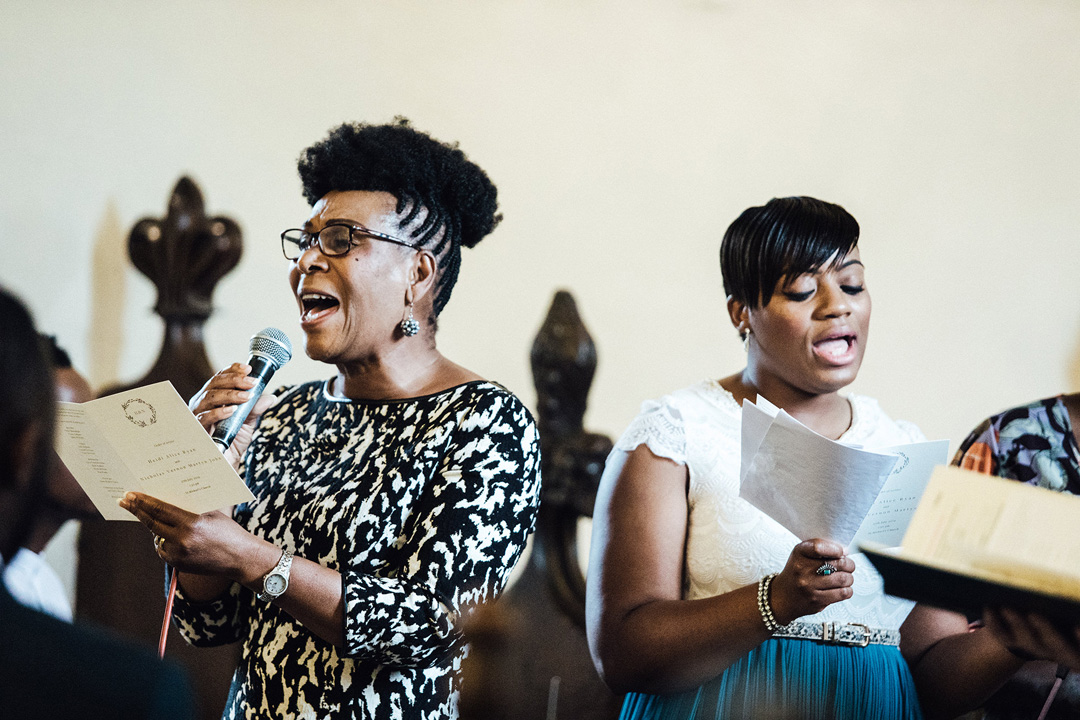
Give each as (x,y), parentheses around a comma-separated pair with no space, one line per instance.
(1035,444)
(403,487)
(700,605)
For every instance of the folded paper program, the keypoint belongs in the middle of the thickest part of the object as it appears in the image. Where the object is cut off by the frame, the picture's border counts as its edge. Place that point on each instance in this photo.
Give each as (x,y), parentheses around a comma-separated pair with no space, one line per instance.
(817,487)
(147,440)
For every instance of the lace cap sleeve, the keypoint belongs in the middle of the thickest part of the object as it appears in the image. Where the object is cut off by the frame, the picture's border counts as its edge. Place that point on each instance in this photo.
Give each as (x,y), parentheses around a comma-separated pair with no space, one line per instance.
(659,425)
(914,434)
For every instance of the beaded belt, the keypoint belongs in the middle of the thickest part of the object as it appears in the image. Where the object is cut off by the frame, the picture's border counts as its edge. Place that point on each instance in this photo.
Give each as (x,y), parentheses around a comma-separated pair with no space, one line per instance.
(838,633)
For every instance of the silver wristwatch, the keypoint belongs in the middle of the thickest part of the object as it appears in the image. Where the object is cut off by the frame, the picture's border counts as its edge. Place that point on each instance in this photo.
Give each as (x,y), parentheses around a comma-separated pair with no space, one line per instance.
(276,581)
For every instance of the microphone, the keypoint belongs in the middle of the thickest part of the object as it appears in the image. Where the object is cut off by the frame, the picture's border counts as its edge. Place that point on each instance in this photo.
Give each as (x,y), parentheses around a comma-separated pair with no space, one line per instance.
(270,349)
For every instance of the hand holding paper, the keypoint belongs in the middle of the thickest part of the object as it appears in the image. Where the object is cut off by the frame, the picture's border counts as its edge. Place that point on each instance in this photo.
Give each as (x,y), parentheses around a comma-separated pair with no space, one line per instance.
(145,440)
(817,487)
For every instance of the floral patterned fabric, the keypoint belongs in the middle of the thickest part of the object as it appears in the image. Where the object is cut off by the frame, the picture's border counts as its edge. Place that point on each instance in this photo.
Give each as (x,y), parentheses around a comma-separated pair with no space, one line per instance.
(1033,444)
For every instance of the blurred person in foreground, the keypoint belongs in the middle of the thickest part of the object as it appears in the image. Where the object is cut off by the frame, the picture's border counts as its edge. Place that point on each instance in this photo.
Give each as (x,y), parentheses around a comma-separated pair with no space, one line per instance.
(392,496)
(49,668)
(29,578)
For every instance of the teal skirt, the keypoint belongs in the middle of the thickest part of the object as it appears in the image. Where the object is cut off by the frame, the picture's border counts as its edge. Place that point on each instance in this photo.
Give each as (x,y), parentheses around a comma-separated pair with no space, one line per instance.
(785,679)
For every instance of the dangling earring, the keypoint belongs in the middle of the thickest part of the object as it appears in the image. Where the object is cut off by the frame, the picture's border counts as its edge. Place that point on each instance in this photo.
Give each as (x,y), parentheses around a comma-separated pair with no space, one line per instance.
(409,326)
(746,341)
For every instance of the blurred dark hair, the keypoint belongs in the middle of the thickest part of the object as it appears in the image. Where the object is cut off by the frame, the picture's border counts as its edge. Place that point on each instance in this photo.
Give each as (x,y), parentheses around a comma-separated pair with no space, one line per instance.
(780,240)
(26,399)
(58,355)
(422,173)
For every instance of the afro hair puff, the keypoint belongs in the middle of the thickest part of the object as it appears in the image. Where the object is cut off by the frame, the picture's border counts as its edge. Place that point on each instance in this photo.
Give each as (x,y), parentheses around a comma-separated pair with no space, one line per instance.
(408,164)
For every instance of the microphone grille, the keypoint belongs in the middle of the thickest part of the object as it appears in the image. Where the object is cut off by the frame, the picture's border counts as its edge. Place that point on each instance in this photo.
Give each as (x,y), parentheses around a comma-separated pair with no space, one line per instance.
(273,344)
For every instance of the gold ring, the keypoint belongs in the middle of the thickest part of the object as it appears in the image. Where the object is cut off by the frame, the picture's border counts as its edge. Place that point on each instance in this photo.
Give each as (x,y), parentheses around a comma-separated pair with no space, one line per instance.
(159,542)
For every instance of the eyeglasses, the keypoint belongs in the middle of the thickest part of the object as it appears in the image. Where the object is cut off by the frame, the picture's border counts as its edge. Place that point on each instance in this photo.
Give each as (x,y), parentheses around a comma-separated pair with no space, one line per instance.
(333,240)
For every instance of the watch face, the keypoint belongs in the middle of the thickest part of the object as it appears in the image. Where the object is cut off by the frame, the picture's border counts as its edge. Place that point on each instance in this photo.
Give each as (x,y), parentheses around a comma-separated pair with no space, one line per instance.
(275,584)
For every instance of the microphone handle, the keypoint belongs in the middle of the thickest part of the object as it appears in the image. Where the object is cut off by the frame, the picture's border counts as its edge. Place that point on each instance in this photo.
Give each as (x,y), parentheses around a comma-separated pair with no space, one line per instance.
(262,369)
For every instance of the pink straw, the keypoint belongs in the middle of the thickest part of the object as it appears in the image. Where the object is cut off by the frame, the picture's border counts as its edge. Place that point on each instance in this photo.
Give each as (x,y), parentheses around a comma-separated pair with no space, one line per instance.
(168,613)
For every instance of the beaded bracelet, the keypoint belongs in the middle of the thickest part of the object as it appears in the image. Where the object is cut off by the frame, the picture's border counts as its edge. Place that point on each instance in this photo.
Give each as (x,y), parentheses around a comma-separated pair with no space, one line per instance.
(763,605)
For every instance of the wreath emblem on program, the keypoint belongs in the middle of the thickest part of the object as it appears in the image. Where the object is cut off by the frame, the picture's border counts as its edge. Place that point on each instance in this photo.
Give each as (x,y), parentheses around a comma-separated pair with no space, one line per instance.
(139,412)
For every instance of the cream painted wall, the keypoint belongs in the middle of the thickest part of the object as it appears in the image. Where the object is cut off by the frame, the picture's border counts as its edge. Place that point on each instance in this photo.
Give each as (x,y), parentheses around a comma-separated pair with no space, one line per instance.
(623,135)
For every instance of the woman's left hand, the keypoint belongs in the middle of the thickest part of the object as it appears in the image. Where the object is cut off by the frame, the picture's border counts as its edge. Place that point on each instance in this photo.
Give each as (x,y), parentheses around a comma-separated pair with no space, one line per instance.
(207,544)
(802,588)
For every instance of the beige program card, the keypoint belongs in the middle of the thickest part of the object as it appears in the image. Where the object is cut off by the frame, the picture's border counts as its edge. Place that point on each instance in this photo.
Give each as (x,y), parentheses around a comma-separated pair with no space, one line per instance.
(148,441)
(999,526)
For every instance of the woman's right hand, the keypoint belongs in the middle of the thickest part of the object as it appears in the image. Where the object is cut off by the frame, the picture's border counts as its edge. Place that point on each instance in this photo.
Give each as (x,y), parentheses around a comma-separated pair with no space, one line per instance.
(799,590)
(219,398)
(1035,635)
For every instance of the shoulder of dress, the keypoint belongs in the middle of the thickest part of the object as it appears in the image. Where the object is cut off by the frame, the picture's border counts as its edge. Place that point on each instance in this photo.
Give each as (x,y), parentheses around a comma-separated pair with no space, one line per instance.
(1050,406)
(487,397)
(670,424)
(707,394)
(871,419)
(704,403)
(492,411)
(864,401)
(486,391)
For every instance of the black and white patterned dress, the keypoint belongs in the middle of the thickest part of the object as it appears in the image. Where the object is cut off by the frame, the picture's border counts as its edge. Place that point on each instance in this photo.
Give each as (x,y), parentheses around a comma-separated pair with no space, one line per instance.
(423,505)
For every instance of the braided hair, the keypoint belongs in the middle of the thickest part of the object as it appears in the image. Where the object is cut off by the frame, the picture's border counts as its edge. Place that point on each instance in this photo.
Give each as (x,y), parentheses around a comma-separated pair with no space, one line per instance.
(434,183)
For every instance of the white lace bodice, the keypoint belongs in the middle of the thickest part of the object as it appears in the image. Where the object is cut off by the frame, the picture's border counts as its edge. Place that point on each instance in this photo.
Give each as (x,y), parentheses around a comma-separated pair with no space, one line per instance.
(730,543)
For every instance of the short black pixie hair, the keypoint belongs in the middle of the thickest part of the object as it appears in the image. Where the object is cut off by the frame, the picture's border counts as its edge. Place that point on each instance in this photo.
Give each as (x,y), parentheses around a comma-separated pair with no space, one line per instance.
(422,173)
(781,240)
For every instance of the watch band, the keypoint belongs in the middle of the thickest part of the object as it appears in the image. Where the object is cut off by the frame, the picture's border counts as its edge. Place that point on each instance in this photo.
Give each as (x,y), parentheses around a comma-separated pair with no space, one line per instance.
(276,582)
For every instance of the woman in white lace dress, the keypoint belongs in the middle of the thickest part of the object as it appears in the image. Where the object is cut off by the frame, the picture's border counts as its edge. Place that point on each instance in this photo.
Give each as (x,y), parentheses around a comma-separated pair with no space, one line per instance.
(689,583)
